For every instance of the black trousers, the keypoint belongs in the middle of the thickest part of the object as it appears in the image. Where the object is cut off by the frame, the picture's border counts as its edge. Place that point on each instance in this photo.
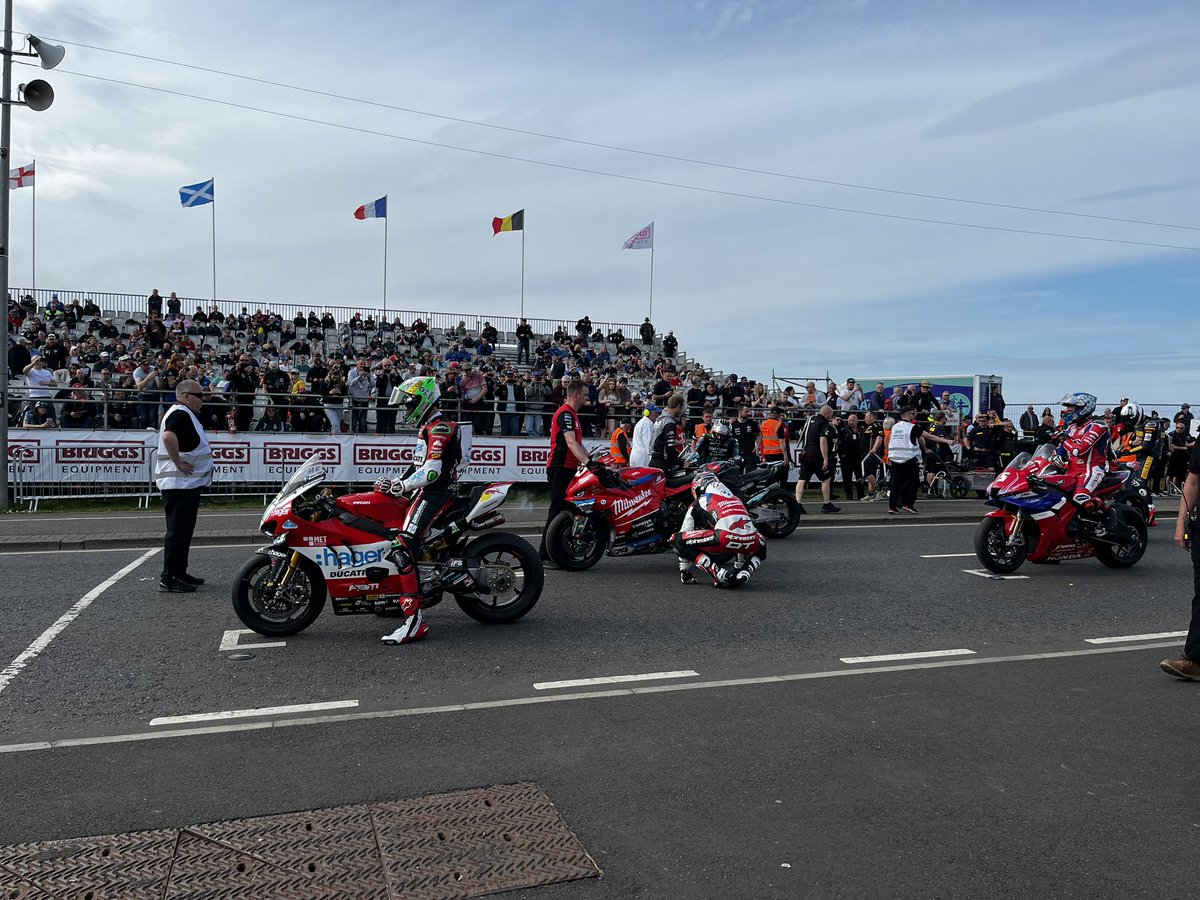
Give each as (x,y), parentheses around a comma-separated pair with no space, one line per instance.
(851,475)
(181,506)
(558,478)
(1191,647)
(905,478)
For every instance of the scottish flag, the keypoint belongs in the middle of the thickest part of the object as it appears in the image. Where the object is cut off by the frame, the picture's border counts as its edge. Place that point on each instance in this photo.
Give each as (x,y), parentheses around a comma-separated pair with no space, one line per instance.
(196,194)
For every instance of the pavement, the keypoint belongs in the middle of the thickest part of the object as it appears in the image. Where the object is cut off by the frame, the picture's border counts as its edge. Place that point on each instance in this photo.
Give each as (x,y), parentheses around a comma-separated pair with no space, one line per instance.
(143,528)
(1018,738)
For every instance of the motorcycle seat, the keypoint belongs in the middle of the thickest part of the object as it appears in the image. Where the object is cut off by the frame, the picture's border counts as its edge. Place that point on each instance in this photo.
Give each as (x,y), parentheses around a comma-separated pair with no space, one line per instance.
(678,479)
(1114,480)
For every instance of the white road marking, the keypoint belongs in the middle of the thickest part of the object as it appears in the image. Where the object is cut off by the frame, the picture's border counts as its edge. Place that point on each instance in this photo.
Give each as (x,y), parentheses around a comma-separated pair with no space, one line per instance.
(891,526)
(229,641)
(896,657)
(1137,637)
(945,555)
(13,669)
(984,573)
(230,727)
(195,547)
(613,679)
(252,713)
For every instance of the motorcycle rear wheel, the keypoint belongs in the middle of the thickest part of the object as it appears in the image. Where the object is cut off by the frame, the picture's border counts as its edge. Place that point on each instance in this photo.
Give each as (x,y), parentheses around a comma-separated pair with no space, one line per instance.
(993,549)
(1125,555)
(570,553)
(266,613)
(785,511)
(512,600)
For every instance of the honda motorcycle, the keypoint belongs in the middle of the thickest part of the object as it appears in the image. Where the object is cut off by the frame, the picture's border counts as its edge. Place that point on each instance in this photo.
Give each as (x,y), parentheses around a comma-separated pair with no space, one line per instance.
(620,512)
(338,547)
(775,511)
(1038,520)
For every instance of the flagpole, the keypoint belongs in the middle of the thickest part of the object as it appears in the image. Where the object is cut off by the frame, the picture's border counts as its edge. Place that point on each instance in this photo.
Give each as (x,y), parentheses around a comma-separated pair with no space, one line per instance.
(651,282)
(33,234)
(214,247)
(385,249)
(522,268)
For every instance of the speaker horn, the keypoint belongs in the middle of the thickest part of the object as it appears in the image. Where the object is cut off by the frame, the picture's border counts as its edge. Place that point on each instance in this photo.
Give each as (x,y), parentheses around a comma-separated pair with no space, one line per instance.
(49,54)
(37,95)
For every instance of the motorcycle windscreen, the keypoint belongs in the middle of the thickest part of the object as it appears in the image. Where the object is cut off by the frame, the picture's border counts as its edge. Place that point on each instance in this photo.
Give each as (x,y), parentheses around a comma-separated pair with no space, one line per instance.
(312,472)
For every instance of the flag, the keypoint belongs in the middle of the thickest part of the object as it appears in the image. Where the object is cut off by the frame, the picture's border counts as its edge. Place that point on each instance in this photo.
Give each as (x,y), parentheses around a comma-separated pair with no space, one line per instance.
(196,194)
(376,209)
(515,222)
(20,177)
(643,240)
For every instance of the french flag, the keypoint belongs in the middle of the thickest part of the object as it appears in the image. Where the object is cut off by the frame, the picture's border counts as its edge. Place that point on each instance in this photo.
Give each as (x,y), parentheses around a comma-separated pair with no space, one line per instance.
(376,209)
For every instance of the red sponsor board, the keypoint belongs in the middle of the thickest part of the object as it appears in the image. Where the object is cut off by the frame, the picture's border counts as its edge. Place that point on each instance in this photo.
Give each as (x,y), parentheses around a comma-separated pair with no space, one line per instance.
(382,454)
(294,454)
(532,456)
(231,453)
(20,451)
(96,453)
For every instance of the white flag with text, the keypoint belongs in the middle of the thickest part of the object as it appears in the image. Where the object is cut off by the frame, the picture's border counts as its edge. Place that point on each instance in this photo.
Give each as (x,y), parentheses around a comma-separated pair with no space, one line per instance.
(643,240)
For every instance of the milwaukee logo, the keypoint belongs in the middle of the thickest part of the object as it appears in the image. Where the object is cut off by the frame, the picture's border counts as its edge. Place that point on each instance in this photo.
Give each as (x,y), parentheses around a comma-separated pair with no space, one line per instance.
(532,456)
(99,453)
(375,454)
(330,454)
(487,456)
(629,504)
(231,454)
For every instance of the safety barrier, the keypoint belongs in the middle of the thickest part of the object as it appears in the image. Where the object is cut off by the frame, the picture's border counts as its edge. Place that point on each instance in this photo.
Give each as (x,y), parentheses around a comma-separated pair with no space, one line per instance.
(79,469)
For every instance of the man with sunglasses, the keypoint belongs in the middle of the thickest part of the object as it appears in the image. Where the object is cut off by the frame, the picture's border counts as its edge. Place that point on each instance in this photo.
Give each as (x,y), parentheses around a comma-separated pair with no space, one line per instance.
(183,466)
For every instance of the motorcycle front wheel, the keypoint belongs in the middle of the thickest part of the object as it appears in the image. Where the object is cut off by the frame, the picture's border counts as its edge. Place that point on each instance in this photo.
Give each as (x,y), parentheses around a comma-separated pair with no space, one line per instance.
(574,554)
(782,513)
(1122,556)
(515,574)
(993,549)
(278,612)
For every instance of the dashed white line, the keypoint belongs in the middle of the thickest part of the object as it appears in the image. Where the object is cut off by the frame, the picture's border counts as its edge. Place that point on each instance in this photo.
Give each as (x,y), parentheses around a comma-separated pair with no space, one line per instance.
(1157,636)
(613,679)
(229,641)
(13,669)
(896,657)
(946,555)
(984,573)
(251,713)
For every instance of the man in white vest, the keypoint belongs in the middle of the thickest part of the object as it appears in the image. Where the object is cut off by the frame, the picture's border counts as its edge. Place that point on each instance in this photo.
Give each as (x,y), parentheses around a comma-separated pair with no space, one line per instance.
(182,466)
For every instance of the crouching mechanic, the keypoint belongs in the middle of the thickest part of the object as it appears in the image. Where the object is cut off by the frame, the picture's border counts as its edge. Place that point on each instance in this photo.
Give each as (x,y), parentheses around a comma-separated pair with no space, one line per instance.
(436,458)
(716,530)
(1084,451)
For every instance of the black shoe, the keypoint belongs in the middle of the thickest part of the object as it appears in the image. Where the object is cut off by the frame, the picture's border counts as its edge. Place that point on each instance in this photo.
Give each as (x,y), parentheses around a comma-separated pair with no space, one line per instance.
(830,508)
(191,579)
(175,586)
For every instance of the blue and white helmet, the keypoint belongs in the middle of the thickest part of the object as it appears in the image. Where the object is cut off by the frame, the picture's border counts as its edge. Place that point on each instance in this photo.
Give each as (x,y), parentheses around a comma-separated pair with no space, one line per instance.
(1078,407)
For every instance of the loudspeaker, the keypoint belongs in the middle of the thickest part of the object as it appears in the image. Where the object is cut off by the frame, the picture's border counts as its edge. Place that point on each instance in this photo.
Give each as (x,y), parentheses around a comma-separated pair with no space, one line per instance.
(49,54)
(37,95)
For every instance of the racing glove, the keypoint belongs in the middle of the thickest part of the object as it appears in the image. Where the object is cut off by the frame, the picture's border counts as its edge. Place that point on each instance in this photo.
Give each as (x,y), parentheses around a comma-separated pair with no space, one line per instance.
(1059,462)
(383,486)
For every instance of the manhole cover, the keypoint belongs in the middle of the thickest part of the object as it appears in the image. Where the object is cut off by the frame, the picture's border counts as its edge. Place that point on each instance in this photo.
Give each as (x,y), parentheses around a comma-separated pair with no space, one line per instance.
(461,844)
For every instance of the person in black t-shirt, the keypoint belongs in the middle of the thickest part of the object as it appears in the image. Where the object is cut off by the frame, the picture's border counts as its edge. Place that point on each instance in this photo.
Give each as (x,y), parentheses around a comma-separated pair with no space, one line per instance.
(1188,664)
(745,433)
(566,453)
(819,441)
(183,468)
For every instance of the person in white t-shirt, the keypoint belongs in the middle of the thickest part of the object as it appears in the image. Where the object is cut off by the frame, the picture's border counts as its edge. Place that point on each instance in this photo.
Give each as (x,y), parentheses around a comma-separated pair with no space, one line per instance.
(907,442)
(643,436)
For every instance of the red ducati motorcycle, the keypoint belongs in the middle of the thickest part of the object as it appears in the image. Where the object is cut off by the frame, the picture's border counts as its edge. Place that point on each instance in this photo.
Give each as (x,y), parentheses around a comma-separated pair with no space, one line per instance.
(621,513)
(1037,520)
(338,546)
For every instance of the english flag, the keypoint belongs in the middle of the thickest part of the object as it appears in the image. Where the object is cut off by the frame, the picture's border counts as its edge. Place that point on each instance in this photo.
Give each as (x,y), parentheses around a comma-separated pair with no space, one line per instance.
(643,240)
(376,209)
(20,177)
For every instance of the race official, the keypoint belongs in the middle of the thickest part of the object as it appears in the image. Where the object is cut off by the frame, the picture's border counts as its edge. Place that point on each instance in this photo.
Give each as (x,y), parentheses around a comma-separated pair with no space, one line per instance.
(566,452)
(773,441)
(1188,664)
(183,466)
(820,441)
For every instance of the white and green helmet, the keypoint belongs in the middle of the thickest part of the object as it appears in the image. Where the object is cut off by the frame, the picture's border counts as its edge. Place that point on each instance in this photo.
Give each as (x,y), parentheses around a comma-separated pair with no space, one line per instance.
(418,396)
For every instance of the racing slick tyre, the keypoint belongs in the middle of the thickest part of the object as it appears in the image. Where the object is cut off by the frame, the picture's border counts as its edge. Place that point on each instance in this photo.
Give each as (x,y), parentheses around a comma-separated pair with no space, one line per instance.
(571,553)
(993,549)
(784,510)
(278,613)
(516,579)
(1122,556)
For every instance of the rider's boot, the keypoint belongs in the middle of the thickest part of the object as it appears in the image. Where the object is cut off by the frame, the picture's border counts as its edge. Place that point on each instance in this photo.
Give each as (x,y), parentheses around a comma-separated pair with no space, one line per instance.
(705,564)
(412,628)
(685,572)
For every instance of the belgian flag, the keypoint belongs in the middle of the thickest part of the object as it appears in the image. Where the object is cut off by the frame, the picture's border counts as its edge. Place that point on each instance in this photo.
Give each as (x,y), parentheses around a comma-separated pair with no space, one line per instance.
(515,222)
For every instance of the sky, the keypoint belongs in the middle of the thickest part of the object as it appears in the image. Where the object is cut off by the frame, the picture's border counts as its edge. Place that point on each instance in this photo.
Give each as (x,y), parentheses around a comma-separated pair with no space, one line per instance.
(1086,109)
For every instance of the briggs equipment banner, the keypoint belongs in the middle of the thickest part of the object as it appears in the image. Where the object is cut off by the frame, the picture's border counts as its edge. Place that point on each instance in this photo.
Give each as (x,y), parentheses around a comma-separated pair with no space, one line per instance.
(127,457)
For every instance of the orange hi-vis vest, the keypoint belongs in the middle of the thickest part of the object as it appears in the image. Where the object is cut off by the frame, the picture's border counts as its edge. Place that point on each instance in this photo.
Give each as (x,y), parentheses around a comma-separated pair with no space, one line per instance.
(772,445)
(887,439)
(614,446)
(699,431)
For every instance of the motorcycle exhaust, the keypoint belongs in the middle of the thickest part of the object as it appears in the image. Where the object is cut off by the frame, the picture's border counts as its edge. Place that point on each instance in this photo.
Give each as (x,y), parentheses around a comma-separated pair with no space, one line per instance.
(491,522)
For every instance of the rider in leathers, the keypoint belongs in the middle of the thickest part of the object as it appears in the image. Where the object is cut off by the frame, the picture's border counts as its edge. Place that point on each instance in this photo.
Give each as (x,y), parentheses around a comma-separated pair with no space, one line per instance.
(717,445)
(436,458)
(1084,451)
(716,529)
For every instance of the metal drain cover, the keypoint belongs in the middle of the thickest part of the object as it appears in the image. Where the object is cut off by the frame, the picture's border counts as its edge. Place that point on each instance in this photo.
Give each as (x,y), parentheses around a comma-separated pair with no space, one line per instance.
(461,844)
